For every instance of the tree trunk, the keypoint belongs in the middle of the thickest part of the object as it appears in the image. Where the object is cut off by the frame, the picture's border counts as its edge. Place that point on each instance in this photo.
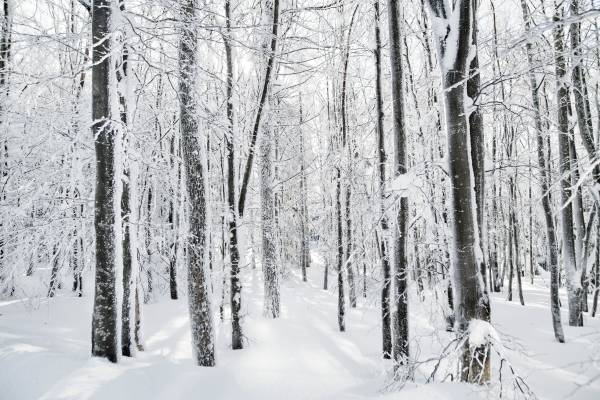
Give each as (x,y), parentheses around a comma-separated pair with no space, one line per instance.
(340,255)
(515,232)
(128,208)
(304,237)
(578,222)
(586,131)
(55,269)
(381,159)
(530,220)
(477,145)
(545,187)
(572,276)
(453,61)
(5,56)
(174,221)
(235,292)
(597,274)
(267,208)
(400,320)
(194,159)
(105,335)
(130,265)
(346,144)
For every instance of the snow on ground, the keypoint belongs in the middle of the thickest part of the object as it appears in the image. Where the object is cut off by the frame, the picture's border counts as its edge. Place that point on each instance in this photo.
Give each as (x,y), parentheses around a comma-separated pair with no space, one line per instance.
(45,351)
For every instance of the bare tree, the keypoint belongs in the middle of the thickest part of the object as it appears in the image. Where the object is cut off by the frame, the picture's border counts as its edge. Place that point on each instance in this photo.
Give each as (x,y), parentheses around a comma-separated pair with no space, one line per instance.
(194,159)
(381,159)
(572,277)
(105,336)
(400,318)
(454,40)
(550,229)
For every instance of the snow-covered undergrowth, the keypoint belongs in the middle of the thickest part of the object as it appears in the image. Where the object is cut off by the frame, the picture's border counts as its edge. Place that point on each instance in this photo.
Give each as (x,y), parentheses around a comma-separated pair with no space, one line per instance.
(45,350)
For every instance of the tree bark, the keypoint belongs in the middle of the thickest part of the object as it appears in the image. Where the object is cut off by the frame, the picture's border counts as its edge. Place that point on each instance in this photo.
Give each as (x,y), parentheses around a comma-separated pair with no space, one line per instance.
(477,145)
(305,240)
(234,255)
(128,207)
(467,274)
(340,255)
(174,221)
(194,159)
(267,208)
(382,158)
(545,187)
(573,283)
(400,320)
(105,335)
(346,144)
(597,274)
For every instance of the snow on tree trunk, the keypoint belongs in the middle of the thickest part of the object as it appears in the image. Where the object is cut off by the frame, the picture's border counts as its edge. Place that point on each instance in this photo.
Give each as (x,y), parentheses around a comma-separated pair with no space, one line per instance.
(400,315)
(477,145)
(128,198)
(5,56)
(348,165)
(107,216)
(381,159)
(340,254)
(267,203)
(453,32)
(545,187)
(174,219)
(573,277)
(304,231)
(267,208)
(194,159)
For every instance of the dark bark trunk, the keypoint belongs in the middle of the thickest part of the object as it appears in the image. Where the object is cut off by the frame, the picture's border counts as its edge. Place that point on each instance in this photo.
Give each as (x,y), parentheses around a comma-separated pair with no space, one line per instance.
(597,274)
(573,286)
(105,314)
(174,222)
(400,320)
(195,173)
(55,269)
(340,255)
(477,144)
(545,187)
(128,277)
(236,284)
(304,241)
(467,272)
(511,258)
(5,56)
(233,247)
(515,233)
(261,104)
(382,158)
(530,223)
(346,144)
(147,266)
(127,205)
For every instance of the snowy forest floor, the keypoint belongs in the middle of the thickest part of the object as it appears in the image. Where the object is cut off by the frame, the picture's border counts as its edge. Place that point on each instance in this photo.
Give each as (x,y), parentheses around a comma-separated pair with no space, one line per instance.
(45,350)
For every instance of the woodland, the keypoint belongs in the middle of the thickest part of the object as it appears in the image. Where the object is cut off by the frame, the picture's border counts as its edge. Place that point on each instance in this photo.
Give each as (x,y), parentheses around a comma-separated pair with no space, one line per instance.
(312,199)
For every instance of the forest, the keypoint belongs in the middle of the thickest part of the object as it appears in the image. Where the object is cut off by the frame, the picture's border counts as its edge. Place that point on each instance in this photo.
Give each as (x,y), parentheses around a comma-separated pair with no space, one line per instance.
(299,199)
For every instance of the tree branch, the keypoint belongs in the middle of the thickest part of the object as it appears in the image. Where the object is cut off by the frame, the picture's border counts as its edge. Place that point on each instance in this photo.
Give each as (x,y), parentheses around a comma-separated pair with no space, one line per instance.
(88,6)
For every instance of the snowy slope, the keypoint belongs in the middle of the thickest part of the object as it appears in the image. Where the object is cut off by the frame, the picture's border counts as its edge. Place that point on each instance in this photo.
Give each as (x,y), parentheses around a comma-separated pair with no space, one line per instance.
(45,352)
